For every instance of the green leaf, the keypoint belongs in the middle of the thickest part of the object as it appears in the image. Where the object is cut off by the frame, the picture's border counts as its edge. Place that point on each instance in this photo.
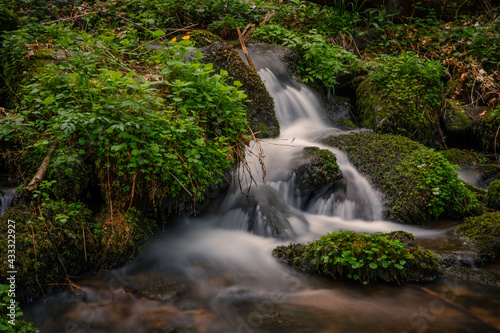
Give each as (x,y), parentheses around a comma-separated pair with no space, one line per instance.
(373,265)
(158,33)
(49,100)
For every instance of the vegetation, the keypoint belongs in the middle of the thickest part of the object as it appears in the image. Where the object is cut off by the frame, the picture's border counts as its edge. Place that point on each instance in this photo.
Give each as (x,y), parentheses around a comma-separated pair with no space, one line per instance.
(419,183)
(484,232)
(402,95)
(320,61)
(17,324)
(363,257)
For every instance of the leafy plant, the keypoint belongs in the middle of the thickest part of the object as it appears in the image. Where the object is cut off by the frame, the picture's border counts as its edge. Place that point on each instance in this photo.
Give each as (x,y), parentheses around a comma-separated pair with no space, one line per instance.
(402,95)
(173,139)
(321,61)
(18,324)
(363,257)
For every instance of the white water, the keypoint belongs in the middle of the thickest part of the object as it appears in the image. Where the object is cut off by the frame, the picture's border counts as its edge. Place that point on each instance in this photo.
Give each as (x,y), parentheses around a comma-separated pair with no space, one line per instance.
(7,195)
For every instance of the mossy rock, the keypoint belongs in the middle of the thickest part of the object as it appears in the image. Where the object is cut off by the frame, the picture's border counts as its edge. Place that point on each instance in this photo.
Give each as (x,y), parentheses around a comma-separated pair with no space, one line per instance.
(54,240)
(345,123)
(203,38)
(363,257)
(318,169)
(492,197)
(473,275)
(484,233)
(463,157)
(259,105)
(390,113)
(419,184)
(123,237)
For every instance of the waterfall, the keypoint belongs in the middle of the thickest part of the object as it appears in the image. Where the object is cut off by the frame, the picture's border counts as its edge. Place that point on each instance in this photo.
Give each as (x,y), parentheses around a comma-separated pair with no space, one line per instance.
(300,113)
(7,193)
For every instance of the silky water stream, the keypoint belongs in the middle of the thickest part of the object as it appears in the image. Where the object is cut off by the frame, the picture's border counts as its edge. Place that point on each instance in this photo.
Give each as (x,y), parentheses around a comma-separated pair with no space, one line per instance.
(216,273)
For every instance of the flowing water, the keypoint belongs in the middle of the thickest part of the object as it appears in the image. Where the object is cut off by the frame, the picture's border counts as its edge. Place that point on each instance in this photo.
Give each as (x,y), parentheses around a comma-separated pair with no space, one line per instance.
(216,273)
(7,193)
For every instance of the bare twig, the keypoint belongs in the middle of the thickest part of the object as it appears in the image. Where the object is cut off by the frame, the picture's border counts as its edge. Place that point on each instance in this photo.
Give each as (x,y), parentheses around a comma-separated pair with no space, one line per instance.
(245,50)
(40,174)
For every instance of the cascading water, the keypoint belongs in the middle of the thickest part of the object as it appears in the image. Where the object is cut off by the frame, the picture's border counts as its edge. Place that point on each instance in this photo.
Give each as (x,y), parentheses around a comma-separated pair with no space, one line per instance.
(7,194)
(215,273)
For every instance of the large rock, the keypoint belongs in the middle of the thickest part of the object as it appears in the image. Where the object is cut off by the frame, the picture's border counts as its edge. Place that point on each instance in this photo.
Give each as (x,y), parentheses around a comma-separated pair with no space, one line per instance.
(259,105)
(484,234)
(264,213)
(419,184)
(363,257)
(317,170)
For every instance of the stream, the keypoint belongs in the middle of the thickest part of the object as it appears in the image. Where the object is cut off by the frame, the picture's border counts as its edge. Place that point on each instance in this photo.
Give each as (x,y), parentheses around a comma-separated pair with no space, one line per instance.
(216,273)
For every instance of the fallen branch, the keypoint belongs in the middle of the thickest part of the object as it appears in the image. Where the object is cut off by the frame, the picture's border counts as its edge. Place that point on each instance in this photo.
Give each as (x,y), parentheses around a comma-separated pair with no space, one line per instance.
(245,50)
(40,174)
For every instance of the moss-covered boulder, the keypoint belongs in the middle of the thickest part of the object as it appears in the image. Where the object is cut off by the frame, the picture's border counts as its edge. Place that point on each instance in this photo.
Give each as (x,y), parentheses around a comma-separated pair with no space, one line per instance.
(318,169)
(203,38)
(418,183)
(54,240)
(363,257)
(492,197)
(473,275)
(259,105)
(402,95)
(484,233)
(463,157)
(122,235)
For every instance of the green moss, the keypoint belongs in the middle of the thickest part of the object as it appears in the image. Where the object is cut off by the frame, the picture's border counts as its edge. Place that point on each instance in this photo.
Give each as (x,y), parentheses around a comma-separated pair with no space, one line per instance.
(363,257)
(124,236)
(203,38)
(418,183)
(402,95)
(474,275)
(259,105)
(54,240)
(484,232)
(492,197)
(318,169)
(345,123)
(463,157)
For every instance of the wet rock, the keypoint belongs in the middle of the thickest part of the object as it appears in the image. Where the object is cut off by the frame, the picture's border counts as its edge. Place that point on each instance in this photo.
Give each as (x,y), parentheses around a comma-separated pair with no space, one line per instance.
(158,287)
(366,258)
(318,169)
(264,213)
(458,258)
(259,105)
(483,233)
(472,274)
(492,197)
(418,183)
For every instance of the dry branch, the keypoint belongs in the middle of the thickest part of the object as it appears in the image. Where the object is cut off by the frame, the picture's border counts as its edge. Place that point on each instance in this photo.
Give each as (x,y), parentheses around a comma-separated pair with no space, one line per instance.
(40,174)
(245,50)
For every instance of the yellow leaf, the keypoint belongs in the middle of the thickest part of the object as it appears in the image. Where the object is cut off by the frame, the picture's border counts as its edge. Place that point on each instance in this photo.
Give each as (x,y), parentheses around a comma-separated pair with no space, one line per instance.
(185,37)
(174,39)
